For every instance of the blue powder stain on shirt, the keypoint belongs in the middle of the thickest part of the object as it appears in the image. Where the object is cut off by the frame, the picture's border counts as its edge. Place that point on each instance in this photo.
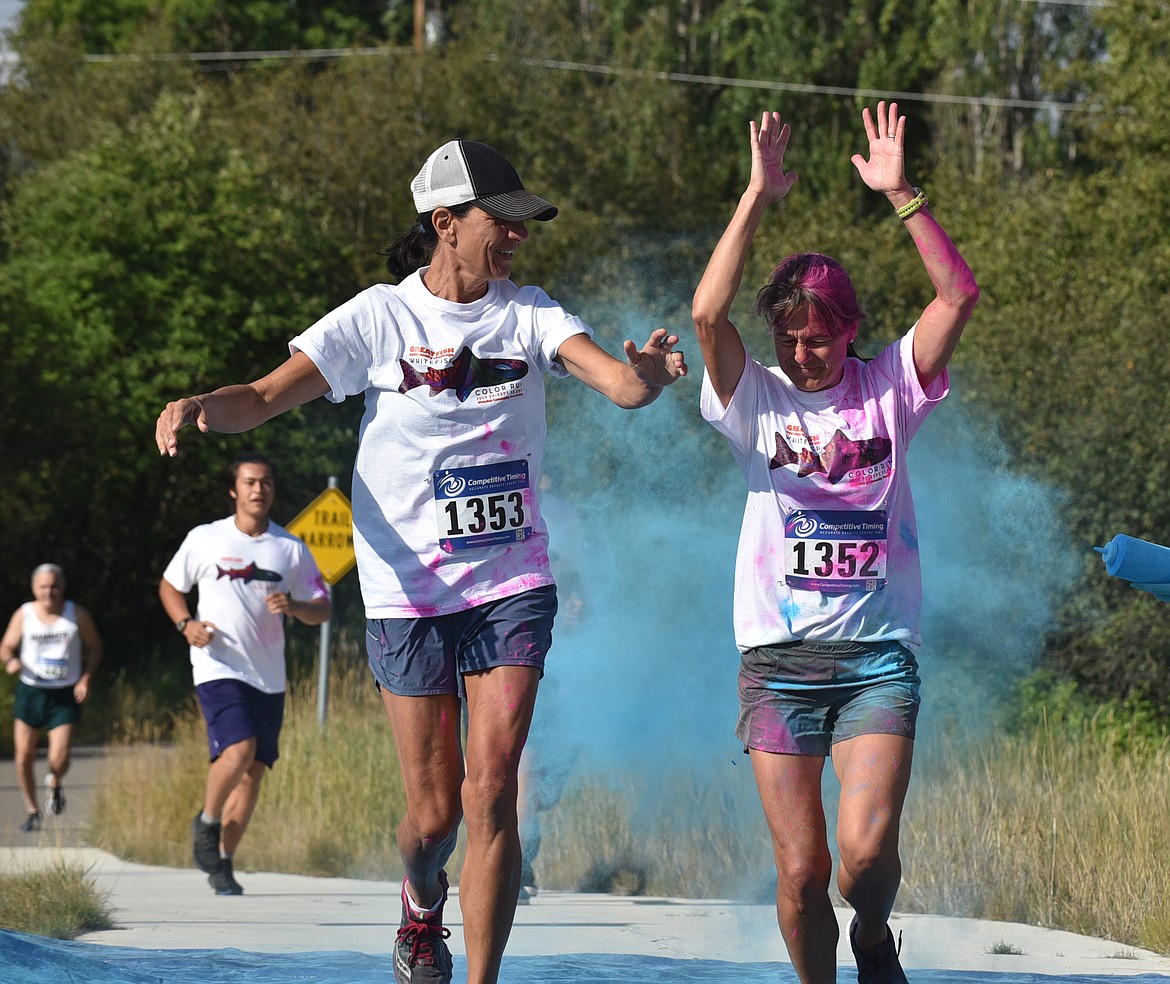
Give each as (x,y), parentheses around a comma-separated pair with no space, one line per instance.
(909,537)
(790,610)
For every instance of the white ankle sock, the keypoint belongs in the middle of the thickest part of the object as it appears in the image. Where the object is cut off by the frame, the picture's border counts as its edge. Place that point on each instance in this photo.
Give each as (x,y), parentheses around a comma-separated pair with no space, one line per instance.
(413,906)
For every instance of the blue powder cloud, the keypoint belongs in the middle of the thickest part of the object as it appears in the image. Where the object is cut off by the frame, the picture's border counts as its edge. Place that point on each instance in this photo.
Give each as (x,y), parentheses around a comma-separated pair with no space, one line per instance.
(646,675)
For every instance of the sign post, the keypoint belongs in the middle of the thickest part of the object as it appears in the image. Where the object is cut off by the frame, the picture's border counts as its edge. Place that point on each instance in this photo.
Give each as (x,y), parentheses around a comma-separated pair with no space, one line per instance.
(326,526)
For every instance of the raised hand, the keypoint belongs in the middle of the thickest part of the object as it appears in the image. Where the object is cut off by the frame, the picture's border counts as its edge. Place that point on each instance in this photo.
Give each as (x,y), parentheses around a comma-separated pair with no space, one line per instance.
(885,171)
(769,141)
(656,362)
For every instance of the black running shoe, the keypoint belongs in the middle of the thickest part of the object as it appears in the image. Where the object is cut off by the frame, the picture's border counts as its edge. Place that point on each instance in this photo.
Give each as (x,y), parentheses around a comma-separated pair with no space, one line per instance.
(421,955)
(54,796)
(205,843)
(223,881)
(32,823)
(879,965)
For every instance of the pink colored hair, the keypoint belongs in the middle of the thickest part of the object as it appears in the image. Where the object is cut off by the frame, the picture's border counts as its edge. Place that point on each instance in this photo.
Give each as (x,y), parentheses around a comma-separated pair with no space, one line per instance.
(817,281)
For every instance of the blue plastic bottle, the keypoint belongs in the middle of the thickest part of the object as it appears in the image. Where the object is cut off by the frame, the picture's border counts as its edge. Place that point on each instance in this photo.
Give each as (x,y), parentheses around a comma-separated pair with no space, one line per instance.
(1136,560)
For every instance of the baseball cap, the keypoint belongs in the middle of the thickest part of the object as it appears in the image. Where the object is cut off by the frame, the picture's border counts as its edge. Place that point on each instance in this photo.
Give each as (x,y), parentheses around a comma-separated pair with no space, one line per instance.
(466,171)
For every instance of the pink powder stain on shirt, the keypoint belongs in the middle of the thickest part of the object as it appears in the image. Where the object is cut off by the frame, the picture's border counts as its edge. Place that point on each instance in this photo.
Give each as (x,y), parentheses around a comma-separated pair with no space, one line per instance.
(507,447)
(428,611)
(764,560)
(855,420)
(530,582)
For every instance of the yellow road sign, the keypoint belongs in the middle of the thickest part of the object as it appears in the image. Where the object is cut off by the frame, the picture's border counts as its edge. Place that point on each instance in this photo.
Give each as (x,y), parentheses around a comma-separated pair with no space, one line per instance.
(326,526)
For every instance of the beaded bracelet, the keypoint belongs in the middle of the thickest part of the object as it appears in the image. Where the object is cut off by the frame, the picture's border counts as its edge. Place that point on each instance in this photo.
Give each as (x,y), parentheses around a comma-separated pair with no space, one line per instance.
(918,202)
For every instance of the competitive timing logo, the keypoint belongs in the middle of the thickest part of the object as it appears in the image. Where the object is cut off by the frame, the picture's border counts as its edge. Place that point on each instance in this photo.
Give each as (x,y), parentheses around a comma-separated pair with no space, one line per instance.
(465,374)
(451,486)
(804,525)
(839,457)
(246,574)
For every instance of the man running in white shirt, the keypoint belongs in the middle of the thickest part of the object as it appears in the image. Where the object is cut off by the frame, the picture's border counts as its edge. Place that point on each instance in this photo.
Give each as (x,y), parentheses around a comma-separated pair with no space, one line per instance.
(250,573)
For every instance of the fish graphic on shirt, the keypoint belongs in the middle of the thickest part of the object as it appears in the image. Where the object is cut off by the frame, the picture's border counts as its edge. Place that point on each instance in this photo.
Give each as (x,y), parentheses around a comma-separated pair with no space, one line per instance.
(837,459)
(465,374)
(246,574)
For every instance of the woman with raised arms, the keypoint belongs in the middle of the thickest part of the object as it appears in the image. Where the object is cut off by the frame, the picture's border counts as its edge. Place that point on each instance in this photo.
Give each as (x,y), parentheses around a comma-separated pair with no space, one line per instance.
(827,584)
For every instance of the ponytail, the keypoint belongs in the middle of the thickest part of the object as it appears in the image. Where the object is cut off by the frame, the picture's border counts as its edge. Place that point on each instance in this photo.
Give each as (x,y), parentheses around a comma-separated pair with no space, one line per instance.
(413,248)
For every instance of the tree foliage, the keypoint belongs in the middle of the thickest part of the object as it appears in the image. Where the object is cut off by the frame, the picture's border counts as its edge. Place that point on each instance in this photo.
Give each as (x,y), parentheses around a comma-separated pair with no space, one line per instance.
(156,262)
(168,229)
(121,26)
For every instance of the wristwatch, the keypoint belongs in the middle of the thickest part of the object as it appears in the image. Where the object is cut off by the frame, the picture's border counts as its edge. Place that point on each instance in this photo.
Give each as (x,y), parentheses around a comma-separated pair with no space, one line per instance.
(181,624)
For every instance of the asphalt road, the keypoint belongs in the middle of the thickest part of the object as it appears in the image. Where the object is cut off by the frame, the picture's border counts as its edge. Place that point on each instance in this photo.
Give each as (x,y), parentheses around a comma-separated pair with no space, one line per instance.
(69,829)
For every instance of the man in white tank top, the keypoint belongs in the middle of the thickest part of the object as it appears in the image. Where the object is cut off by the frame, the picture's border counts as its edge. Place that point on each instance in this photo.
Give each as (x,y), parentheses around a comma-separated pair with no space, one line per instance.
(54,646)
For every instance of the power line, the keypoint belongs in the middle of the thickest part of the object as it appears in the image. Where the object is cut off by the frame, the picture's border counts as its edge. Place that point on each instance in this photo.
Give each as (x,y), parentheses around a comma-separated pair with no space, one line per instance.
(308,54)
(225,58)
(828,90)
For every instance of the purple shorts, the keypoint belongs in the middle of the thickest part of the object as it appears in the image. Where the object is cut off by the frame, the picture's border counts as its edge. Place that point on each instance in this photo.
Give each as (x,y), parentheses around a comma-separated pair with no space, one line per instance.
(424,657)
(801,698)
(235,712)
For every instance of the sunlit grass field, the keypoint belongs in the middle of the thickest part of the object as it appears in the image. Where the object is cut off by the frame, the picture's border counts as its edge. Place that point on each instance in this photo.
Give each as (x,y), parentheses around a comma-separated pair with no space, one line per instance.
(1065,825)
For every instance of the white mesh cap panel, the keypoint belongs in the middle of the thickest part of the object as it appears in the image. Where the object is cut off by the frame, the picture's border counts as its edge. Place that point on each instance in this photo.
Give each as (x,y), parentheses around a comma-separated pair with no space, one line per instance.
(463,171)
(444,180)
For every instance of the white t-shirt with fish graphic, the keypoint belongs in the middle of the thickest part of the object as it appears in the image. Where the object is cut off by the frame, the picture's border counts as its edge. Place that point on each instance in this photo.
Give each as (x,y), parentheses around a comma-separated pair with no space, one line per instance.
(828,550)
(234,572)
(445,507)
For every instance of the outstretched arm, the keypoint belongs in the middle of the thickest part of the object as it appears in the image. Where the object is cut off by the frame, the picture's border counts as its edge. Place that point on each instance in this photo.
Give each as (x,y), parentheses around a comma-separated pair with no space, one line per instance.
(719,339)
(234,409)
(631,384)
(955,291)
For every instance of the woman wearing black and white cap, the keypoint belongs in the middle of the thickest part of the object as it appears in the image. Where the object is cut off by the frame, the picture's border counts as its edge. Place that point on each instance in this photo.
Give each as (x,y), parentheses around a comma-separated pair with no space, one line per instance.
(451,548)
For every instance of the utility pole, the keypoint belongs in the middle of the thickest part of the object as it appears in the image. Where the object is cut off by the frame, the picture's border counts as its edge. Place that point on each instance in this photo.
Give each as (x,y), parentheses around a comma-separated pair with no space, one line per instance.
(420,25)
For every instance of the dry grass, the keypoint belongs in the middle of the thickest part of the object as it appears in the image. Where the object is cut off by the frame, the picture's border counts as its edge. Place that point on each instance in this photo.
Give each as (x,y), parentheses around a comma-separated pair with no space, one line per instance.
(675,834)
(59,901)
(1070,832)
(330,807)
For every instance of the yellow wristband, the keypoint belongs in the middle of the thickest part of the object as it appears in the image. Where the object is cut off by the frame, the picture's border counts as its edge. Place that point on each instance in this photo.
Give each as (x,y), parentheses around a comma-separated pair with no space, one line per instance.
(918,202)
